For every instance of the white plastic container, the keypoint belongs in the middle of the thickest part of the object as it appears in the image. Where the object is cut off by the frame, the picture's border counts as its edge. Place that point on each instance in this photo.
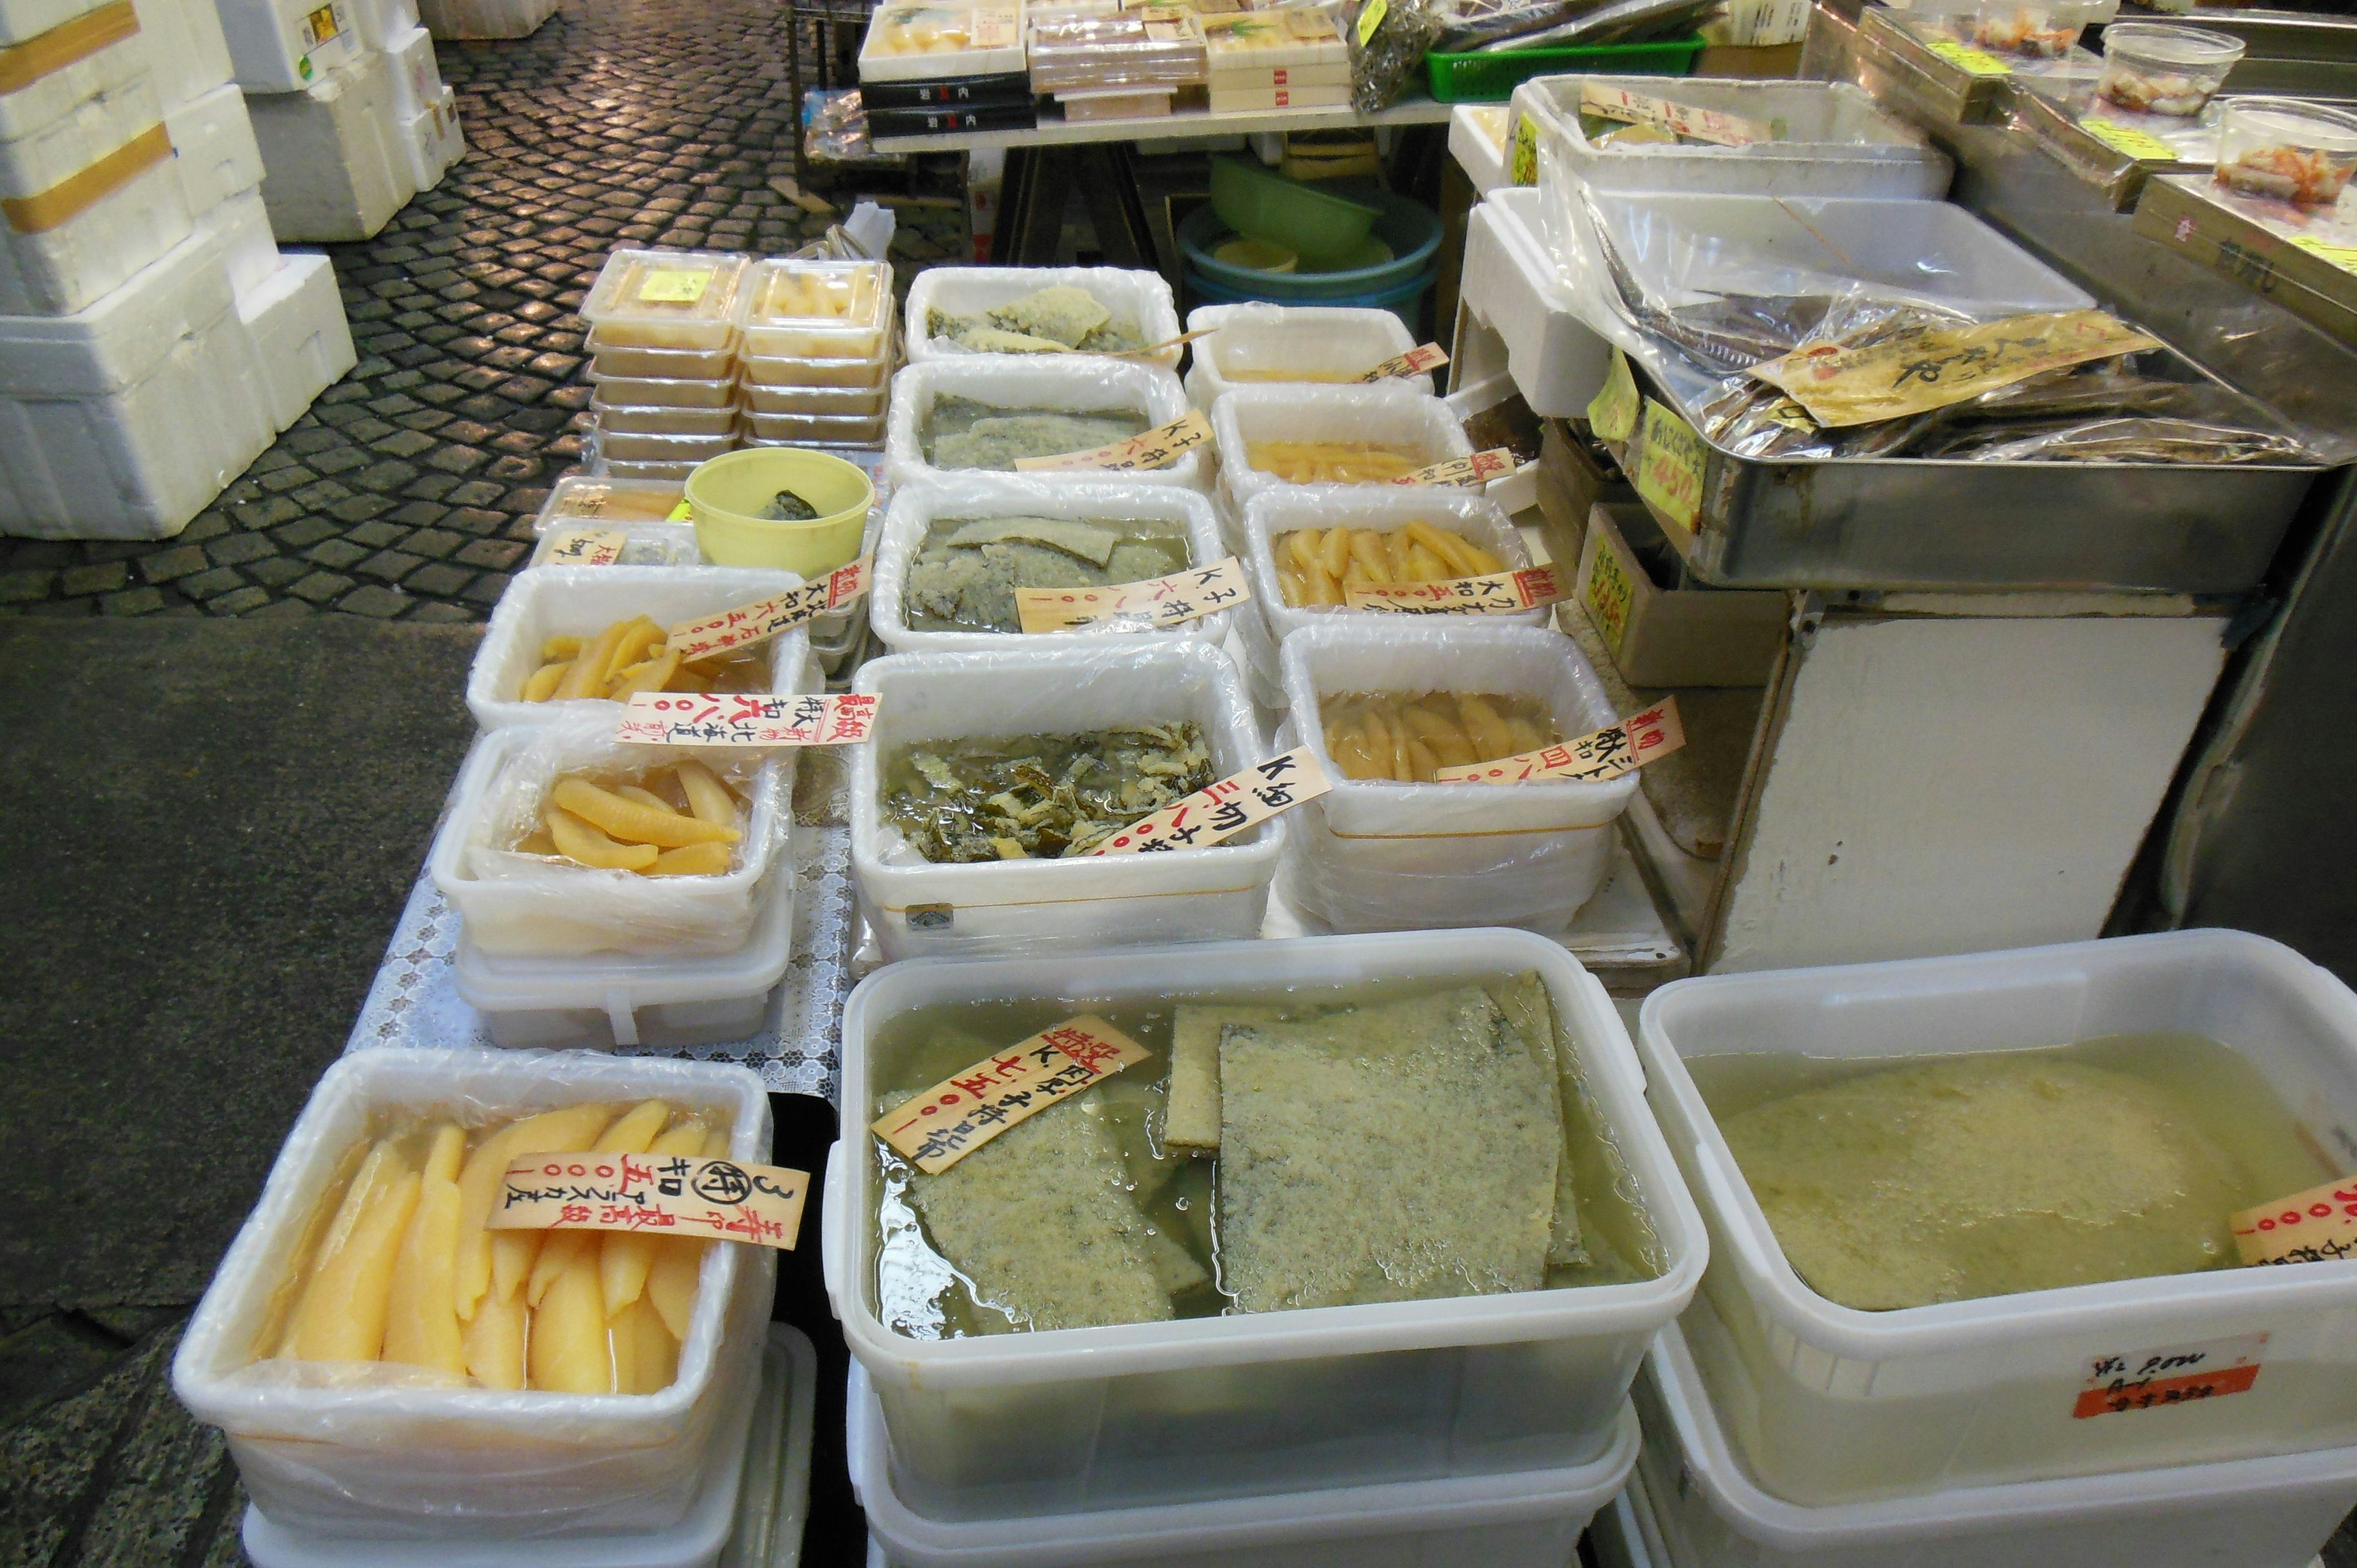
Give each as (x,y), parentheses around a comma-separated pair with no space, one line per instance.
(520,907)
(1708,1511)
(1254,1403)
(55,150)
(1398,417)
(240,227)
(1827,1404)
(1510,286)
(917,507)
(213,147)
(301,339)
(1141,301)
(420,1463)
(1389,856)
(667,1001)
(124,420)
(1075,383)
(338,169)
(643,543)
(287,46)
(1033,905)
(1530,1519)
(1253,345)
(62,270)
(582,601)
(186,52)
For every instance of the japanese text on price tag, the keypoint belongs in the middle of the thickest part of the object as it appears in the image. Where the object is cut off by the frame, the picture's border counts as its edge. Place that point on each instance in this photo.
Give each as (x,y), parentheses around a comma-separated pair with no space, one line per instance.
(584,547)
(1671,465)
(1495,593)
(1598,755)
(2176,1374)
(1712,125)
(1416,361)
(1464,473)
(964,1111)
(1140,607)
(662,1194)
(1146,449)
(2306,1227)
(764,618)
(1220,810)
(744,718)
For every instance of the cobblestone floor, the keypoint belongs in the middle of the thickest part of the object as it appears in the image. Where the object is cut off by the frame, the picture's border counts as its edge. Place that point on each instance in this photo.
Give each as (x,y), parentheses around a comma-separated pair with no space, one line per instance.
(409,488)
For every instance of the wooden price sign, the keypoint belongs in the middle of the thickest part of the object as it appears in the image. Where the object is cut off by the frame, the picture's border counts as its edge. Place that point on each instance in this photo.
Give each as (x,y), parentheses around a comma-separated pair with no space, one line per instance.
(1419,360)
(1493,593)
(1143,607)
(743,719)
(765,619)
(1712,125)
(1220,810)
(1597,755)
(1152,448)
(2306,1227)
(1462,473)
(724,1200)
(966,1110)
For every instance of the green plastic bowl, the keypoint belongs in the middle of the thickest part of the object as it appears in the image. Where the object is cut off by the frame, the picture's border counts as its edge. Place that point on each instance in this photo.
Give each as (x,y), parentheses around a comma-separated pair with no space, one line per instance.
(1315,224)
(727,495)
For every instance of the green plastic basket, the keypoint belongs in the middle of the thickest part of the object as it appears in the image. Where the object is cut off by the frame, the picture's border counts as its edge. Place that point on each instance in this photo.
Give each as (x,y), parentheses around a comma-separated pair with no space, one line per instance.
(1491,78)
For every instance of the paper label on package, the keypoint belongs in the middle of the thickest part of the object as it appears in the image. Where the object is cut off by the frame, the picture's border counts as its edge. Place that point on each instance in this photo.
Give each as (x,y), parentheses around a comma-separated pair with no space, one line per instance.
(964,1111)
(674,285)
(1525,168)
(764,618)
(1919,368)
(1136,606)
(1712,125)
(1593,758)
(1612,411)
(2306,1227)
(1609,596)
(1967,59)
(2339,255)
(1416,361)
(1671,465)
(1220,810)
(1462,473)
(1371,16)
(682,512)
(1493,593)
(663,1194)
(584,547)
(2142,145)
(744,718)
(2175,1374)
(991,28)
(1146,449)
(319,27)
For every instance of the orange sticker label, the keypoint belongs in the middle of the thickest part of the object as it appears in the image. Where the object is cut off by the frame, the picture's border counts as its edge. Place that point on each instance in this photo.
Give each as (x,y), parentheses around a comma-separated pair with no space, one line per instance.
(964,1111)
(1597,755)
(1138,607)
(2178,1374)
(2306,1227)
(1154,448)
(764,618)
(1494,593)
(664,1194)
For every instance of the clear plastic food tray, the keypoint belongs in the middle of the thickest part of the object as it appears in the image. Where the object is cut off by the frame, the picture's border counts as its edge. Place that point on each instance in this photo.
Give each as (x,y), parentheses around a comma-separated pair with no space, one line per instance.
(919,39)
(860,401)
(667,299)
(579,498)
(635,419)
(640,392)
(765,370)
(1251,345)
(824,429)
(672,449)
(607,359)
(818,310)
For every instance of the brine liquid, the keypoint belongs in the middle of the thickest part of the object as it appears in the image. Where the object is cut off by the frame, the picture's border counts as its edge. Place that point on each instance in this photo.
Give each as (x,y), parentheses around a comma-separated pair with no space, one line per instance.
(1896,1183)
(1331,462)
(1407,740)
(920,1294)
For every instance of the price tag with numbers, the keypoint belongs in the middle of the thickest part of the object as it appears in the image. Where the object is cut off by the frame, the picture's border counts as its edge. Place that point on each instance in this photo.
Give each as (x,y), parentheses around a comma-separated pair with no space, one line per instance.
(1416,361)
(1141,606)
(1670,465)
(1463,473)
(1220,810)
(744,718)
(1598,755)
(1155,448)
(663,1194)
(1714,125)
(1497,593)
(966,1110)
(765,619)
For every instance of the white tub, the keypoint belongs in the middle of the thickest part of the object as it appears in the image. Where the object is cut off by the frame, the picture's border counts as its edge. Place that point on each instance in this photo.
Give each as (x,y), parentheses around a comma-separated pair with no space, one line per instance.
(1031,906)
(1326,345)
(1141,300)
(420,1463)
(1398,416)
(1079,383)
(1249,1404)
(1826,1404)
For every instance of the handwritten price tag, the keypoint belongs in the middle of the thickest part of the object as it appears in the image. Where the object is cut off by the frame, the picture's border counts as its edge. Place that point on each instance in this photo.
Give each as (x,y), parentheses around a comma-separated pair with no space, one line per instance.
(1498,593)
(1463,473)
(1670,469)
(1609,596)
(586,547)
(1612,413)
(2142,145)
(1917,369)
(2179,1374)
(964,1111)
(764,618)
(1525,169)
(1595,756)
(1140,607)
(1416,361)
(1152,448)
(675,1194)
(1711,125)
(2306,1227)
(1223,810)
(738,718)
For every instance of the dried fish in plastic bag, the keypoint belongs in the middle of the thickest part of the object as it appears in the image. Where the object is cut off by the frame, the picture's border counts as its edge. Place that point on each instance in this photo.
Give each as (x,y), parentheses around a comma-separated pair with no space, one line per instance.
(2130,440)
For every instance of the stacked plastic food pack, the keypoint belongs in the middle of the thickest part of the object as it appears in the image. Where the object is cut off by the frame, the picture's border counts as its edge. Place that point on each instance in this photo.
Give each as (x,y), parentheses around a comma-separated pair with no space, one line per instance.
(1293,57)
(663,340)
(945,65)
(815,353)
(1114,65)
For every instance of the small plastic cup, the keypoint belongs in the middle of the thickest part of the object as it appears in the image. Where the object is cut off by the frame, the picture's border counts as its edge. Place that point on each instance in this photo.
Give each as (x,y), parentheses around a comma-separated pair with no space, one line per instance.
(2155,67)
(727,496)
(2033,29)
(2281,147)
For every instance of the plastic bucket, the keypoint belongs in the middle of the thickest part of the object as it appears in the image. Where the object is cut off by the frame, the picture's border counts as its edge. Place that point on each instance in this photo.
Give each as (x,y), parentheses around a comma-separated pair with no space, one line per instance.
(727,495)
(1409,228)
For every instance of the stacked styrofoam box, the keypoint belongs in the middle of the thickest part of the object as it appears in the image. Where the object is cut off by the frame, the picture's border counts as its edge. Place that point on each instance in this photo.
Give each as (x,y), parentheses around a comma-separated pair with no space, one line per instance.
(664,332)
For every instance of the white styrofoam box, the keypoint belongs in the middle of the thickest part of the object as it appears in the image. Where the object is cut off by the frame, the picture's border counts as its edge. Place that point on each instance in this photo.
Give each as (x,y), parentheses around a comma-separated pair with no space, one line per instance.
(392,1457)
(1827,1404)
(213,148)
(1530,1519)
(186,52)
(1478,141)
(1139,300)
(124,420)
(1398,417)
(1024,906)
(1833,141)
(384,23)
(297,321)
(62,269)
(117,58)
(433,142)
(522,905)
(669,1002)
(1558,362)
(582,601)
(338,166)
(1253,345)
(417,78)
(484,18)
(48,155)
(1250,1404)
(286,45)
(241,228)
(1708,1511)
(24,19)
(1382,508)
(1371,855)
(1112,500)
(1077,384)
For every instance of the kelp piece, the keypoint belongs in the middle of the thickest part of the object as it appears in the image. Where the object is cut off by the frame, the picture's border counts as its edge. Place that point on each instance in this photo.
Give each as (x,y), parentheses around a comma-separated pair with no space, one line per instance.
(1084,540)
(1192,1121)
(1063,314)
(996,438)
(1524,1001)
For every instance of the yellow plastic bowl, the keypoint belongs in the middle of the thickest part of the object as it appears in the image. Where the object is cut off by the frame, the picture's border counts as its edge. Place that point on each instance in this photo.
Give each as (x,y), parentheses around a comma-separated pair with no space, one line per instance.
(727,496)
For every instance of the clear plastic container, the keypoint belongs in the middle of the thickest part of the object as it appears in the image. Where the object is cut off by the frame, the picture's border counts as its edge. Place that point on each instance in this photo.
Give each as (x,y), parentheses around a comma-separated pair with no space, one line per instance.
(658,469)
(606,360)
(657,419)
(1141,302)
(1399,419)
(841,401)
(578,499)
(643,543)
(2035,30)
(637,391)
(1254,1403)
(2156,68)
(1121,103)
(621,447)
(2296,152)
(824,429)
(923,39)
(1827,1404)
(1255,344)
(1084,50)
(667,299)
(818,310)
(762,369)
